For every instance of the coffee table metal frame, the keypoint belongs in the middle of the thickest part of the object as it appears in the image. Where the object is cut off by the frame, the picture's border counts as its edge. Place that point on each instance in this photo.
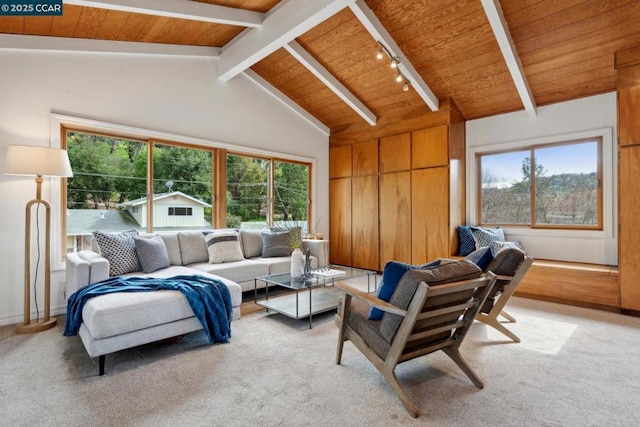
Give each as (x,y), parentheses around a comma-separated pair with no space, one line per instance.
(319,291)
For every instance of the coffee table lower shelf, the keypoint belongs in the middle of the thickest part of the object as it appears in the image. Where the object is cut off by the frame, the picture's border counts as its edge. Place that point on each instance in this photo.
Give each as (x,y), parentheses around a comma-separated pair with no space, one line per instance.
(296,304)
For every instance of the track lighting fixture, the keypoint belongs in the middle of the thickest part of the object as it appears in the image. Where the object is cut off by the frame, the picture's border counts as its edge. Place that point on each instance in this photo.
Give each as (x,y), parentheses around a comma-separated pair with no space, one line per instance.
(395,61)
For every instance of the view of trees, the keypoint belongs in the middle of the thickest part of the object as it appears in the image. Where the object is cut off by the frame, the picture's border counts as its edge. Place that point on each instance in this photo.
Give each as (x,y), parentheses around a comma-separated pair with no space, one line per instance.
(562,199)
(248,190)
(109,171)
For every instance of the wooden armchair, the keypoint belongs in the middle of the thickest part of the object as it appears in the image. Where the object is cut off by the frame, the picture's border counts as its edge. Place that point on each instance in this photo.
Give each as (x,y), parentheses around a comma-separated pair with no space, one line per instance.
(430,310)
(509,265)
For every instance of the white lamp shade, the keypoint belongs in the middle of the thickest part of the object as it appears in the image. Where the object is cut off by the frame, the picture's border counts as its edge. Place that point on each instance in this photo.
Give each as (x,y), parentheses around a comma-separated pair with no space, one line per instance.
(32,160)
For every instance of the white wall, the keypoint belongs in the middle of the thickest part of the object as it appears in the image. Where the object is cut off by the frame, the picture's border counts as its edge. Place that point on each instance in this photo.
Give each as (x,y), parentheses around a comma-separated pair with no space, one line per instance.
(169,94)
(557,120)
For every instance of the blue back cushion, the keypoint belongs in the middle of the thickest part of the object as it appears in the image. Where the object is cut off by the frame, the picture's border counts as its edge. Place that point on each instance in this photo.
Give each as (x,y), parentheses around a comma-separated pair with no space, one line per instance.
(466,242)
(391,275)
(481,257)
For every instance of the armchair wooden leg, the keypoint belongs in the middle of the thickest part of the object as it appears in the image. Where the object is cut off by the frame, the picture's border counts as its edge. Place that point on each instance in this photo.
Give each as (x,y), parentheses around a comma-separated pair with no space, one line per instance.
(455,355)
(498,326)
(507,316)
(341,321)
(400,392)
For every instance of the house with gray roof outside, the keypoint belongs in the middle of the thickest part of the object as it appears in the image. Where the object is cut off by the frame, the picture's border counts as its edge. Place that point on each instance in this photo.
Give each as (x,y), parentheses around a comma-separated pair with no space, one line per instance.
(171,211)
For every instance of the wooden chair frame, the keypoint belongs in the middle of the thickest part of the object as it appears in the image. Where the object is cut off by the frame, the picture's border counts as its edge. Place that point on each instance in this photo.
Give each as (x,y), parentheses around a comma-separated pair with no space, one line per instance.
(406,333)
(491,318)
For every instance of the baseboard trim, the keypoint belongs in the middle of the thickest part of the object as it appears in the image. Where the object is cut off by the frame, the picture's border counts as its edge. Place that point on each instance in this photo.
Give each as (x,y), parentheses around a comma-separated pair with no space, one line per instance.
(629,312)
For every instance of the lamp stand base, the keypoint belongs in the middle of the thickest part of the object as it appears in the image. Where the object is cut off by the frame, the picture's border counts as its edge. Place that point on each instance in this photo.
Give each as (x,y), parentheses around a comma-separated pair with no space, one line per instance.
(36,327)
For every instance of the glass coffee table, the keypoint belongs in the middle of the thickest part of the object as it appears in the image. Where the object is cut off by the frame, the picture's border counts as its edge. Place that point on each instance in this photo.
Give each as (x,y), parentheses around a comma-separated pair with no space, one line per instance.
(311,295)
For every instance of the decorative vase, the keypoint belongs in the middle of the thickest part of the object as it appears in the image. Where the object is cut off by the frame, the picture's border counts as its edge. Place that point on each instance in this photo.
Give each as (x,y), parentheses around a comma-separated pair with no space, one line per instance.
(297,264)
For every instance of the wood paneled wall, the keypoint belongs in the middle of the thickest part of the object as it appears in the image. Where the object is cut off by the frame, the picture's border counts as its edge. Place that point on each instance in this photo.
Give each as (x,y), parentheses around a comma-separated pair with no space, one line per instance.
(404,183)
(628,84)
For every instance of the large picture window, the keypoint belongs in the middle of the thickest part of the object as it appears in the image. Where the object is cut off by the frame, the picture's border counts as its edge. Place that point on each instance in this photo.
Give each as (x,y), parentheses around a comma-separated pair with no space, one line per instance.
(266,192)
(543,186)
(111,180)
(123,183)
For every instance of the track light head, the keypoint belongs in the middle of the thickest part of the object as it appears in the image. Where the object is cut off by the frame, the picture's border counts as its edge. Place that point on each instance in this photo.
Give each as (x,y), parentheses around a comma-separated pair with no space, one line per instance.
(399,78)
(394,64)
(405,87)
(379,54)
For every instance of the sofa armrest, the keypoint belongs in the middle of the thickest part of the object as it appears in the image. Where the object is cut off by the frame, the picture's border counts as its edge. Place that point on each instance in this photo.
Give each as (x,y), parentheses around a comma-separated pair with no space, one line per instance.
(84,268)
(77,273)
(318,249)
(99,266)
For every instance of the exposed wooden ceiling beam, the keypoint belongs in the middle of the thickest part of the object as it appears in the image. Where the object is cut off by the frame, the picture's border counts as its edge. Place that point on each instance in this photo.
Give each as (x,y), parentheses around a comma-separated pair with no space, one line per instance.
(273,91)
(183,9)
(501,30)
(67,44)
(377,30)
(289,21)
(330,81)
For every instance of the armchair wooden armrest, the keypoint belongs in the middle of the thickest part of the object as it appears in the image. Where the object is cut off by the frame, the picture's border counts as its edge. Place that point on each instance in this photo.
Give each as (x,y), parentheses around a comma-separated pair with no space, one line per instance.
(370,299)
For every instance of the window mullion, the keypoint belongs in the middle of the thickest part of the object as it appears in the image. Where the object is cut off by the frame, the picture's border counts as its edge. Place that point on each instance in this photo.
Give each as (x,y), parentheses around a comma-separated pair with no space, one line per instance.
(150,186)
(532,186)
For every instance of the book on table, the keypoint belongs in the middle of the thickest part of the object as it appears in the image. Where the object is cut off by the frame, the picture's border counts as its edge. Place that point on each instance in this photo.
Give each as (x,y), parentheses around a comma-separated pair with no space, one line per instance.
(328,273)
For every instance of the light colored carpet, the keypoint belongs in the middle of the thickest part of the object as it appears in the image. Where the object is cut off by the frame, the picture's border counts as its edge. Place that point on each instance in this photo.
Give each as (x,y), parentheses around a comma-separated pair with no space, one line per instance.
(574,367)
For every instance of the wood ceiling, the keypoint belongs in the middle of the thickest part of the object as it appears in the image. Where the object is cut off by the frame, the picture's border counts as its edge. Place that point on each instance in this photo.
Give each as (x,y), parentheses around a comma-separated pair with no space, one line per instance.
(565,48)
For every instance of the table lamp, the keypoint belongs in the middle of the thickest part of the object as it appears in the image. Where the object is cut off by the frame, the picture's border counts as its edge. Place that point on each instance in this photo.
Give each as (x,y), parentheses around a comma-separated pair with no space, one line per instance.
(38,162)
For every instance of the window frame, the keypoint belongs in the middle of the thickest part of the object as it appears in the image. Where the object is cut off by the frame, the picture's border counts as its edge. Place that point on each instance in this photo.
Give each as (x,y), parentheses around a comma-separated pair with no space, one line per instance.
(609,173)
(188,211)
(271,182)
(532,193)
(60,123)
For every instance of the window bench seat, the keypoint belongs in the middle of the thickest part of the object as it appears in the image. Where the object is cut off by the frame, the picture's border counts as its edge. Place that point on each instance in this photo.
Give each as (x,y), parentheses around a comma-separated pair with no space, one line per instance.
(585,285)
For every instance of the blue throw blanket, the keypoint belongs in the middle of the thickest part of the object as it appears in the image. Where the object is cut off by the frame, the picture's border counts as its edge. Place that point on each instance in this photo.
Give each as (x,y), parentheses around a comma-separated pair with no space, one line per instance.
(210,300)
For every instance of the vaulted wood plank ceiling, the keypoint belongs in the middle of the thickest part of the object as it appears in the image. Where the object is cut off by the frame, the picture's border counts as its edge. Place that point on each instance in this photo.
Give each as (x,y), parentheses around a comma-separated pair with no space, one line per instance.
(565,49)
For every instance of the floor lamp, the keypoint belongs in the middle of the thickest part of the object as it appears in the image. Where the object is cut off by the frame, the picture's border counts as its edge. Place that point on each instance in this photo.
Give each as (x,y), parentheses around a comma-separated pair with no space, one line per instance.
(38,161)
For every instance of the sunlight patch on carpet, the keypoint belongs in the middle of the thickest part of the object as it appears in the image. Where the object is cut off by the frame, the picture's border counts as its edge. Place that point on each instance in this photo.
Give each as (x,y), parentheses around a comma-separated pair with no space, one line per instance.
(539,334)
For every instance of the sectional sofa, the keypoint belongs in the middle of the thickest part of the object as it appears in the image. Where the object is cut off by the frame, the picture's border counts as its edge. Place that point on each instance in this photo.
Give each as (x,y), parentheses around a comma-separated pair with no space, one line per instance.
(117,321)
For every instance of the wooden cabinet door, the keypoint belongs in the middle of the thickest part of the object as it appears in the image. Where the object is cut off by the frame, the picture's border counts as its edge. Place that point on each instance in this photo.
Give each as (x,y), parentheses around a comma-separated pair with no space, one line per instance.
(395,217)
(429,214)
(364,222)
(629,219)
(365,158)
(395,153)
(340,221)
(429,147)
(340,161)
(629,115)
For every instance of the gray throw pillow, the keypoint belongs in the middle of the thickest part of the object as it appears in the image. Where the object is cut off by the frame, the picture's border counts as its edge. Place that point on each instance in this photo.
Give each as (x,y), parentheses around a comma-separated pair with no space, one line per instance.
(276,245)
(120,250)
(152,253)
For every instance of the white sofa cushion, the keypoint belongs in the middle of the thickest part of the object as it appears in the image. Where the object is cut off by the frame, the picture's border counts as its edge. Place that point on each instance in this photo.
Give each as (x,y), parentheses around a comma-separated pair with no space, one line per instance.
(180,270)
(251,243)
(122,312)
(237,271)
(173,248)
(192,247)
